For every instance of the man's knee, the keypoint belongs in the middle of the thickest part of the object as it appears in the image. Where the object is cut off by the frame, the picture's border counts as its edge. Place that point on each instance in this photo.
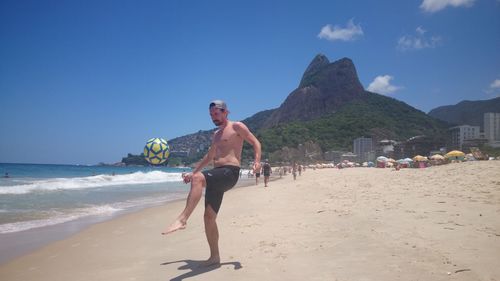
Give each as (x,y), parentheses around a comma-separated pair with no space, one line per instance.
(199,179)
(210,214)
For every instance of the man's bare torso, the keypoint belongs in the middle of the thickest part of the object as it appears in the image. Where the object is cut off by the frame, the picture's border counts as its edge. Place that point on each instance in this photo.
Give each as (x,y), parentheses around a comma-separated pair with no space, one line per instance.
(228,145)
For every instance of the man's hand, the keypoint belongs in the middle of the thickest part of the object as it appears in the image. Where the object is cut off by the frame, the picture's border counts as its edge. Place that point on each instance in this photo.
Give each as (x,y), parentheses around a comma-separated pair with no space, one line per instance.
(256,167)
(187,177)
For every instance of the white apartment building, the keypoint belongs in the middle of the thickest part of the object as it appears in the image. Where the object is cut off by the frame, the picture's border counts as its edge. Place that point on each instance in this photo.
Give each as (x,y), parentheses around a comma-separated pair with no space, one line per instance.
(363,147)
(463,132)
(492,128)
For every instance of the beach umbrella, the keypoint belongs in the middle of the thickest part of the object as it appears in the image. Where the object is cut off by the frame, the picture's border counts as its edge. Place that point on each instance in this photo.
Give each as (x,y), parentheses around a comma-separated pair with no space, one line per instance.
(420,158)
(404,163)
(382,159)
(454,153)
(437,157)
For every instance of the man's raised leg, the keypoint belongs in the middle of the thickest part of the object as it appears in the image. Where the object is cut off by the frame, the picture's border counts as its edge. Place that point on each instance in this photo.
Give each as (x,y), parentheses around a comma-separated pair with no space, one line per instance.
(197,184)
(212,233)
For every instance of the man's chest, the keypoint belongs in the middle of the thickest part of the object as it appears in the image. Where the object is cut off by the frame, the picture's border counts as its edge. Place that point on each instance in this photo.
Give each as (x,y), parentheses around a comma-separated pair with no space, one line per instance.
(226,137)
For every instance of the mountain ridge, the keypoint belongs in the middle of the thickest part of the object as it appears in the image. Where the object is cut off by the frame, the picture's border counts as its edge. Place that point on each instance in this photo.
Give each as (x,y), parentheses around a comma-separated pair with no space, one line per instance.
(466,112)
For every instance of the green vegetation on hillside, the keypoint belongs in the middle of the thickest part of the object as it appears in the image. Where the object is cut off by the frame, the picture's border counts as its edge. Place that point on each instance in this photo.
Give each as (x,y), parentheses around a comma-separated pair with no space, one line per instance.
(371,116)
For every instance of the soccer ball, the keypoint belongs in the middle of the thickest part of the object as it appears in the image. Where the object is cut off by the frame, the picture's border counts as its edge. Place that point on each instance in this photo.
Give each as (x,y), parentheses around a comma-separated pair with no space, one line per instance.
(156,151)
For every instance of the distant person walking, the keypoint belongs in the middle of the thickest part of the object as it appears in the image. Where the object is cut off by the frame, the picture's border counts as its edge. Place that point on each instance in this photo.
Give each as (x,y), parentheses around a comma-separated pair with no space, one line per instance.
(257,176)
(225,155)
(266,170)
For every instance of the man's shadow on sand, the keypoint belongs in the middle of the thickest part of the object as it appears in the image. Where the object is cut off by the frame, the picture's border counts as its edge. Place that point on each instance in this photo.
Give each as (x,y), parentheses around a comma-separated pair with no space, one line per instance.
(197,269)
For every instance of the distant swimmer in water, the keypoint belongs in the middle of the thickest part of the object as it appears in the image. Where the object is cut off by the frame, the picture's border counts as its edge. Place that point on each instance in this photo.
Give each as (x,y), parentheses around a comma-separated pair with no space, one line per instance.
(6,175)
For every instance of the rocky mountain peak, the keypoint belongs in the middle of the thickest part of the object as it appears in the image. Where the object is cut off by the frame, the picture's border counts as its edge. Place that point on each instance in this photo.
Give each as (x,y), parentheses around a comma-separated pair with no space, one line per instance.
(321,73)
(316,65)
(323,89)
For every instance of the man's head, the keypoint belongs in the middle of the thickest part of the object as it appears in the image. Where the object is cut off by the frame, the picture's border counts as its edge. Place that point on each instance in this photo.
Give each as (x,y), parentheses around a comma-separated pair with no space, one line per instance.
(218,112)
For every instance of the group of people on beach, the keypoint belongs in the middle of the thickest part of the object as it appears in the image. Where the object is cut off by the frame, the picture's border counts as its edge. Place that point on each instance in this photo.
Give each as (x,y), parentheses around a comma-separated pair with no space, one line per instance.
(294,169)
(266,170)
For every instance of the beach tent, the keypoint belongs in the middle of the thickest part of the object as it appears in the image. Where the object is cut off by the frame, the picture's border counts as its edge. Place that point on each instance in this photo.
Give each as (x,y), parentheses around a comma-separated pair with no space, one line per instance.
(410,161)
(381,160)
(404,163)
(455,155)
(437,159)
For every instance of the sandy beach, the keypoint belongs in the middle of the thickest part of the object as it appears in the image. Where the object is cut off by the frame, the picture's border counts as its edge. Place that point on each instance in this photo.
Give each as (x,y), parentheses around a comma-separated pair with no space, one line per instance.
(439,223)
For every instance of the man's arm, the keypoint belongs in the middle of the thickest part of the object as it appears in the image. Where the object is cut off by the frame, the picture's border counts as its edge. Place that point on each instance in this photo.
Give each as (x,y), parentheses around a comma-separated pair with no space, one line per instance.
(206,159)
(202,163)
(245,133)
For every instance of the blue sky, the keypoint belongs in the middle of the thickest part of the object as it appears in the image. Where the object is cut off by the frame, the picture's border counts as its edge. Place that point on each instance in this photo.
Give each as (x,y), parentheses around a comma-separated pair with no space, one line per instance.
(88,81)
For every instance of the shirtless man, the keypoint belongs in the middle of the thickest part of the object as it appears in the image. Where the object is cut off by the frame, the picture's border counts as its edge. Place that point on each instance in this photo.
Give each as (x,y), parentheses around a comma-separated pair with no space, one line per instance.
(225,154)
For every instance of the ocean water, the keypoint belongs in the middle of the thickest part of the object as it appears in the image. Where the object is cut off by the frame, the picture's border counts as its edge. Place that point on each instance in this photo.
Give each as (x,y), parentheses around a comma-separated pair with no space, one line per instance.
(36,195)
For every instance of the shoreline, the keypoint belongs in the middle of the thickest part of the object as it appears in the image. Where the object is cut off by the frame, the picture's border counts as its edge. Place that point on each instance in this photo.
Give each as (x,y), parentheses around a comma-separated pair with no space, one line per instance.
(17,244)
(438,223)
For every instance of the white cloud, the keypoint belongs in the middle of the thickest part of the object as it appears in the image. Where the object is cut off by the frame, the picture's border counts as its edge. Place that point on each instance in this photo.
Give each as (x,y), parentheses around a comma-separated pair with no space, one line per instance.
(382,85)
(494,88)
(432,6)
(418,41)
(349,33)
(420,30)
(495,84)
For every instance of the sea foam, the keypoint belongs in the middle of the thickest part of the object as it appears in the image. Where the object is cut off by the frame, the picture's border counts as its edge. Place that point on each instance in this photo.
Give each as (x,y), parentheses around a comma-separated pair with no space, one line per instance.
(58,218)
(40,185)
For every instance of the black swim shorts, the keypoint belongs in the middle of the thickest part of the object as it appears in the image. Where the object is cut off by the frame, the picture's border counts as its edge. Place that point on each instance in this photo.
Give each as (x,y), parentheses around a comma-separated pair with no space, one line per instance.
(219,180)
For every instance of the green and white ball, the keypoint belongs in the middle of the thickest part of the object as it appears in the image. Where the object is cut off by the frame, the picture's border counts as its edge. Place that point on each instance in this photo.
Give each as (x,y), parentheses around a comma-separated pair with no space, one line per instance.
(156,151)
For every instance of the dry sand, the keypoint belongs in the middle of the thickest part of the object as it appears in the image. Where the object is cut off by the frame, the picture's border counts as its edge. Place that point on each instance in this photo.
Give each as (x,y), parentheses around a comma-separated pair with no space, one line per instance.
(439,223)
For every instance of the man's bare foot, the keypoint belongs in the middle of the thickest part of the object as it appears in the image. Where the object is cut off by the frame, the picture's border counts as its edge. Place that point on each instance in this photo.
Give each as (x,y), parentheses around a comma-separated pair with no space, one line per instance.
(211,261)
(174,227)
